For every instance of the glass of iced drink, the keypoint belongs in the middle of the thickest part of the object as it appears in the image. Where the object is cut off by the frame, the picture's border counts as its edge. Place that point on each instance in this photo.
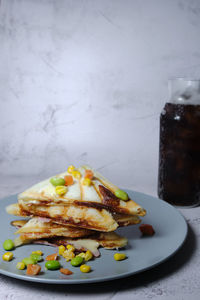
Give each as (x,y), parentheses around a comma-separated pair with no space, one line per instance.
(179,151)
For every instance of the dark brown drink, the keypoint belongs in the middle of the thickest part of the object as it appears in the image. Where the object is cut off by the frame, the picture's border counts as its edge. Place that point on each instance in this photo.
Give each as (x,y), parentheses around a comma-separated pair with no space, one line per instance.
(179,159)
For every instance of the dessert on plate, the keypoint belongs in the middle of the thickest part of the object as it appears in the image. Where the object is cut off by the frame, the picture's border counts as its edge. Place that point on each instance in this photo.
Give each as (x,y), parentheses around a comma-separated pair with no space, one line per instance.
(78,207)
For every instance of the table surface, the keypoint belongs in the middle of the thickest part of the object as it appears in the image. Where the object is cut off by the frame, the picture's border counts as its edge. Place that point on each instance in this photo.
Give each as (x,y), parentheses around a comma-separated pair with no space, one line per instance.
(177,278)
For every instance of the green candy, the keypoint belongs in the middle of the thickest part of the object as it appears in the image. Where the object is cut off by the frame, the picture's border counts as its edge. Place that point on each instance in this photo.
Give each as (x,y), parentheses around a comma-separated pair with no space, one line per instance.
(52,265)
(121,195)
(36,257)
(8,245)
(29,261)
(57,181)
(76,261)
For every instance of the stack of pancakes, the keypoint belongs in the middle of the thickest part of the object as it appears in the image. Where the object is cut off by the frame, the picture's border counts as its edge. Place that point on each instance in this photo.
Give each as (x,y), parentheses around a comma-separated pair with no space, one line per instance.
(85,216)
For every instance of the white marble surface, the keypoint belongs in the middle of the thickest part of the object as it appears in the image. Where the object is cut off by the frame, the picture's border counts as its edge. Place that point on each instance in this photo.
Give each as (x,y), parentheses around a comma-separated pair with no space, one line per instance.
(84,81)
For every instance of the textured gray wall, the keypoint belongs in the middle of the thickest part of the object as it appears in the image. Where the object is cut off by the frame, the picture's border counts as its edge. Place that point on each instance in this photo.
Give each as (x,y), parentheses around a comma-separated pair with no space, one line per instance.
(85,81)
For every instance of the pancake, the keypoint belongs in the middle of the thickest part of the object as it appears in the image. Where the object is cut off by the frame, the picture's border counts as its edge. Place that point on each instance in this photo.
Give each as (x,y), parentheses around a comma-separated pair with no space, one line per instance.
(107,240)
(39,231)
(100,194)
(42,227)
(82,217)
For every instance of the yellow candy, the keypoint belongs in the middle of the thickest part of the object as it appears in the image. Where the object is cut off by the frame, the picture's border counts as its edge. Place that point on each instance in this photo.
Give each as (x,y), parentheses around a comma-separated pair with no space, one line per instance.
(21,265)
(70,169)
(119,256)
(87,181)
(38,252)
(68,255)
(61,190)
(61,249)
(82,254)
(7,256)
(88,255)
(70,247)
(85,268)
(76,174)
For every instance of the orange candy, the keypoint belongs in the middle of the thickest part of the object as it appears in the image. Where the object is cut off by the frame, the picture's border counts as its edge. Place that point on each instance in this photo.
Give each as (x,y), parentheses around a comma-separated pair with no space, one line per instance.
(89,174)
(66,271)
(68,180)
(147,229)
(33,269)
(52,256)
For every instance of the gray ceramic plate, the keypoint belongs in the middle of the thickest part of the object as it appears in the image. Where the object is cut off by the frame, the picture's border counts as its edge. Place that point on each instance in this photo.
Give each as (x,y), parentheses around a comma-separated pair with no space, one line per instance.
(143,253)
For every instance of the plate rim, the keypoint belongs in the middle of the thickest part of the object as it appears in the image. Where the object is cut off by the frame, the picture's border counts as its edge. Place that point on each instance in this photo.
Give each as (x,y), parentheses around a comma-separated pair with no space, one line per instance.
(105,278)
